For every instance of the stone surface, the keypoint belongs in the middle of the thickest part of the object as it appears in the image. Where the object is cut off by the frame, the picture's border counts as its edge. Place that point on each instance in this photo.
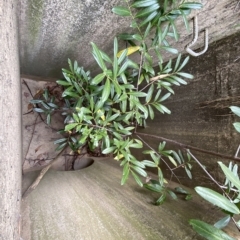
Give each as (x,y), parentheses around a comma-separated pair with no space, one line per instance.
(10,127)
(52,31)
(91,204)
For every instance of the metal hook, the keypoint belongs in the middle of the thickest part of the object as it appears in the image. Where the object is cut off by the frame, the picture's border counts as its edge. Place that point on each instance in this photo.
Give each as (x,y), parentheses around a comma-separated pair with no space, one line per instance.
(195,37)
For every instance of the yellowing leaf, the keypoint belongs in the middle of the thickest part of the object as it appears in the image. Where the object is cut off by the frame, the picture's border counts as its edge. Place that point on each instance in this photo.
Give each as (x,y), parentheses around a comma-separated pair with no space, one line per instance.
(102,117)
(130,51)
(118,157)
(165,181)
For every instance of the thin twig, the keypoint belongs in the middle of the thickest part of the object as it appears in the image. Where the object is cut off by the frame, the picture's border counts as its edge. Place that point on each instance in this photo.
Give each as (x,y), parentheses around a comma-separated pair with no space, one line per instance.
(212,178)
(173,174)
(41,174)
(204,169)
(236,154)
(190,147)
(30,140)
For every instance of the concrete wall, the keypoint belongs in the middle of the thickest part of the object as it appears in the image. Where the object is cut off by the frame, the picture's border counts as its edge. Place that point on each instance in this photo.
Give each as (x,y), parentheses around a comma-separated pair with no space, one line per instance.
(200,110)
(10,127)
(51,31)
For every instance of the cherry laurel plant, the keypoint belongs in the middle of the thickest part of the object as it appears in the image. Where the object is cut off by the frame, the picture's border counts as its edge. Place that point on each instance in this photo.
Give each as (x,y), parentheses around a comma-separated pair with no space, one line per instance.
(103,113)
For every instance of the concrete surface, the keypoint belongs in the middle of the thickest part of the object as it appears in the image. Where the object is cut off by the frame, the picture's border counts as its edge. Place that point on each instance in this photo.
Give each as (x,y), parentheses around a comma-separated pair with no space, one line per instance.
(91,204)
(50,32)
(10,127)
(200,110)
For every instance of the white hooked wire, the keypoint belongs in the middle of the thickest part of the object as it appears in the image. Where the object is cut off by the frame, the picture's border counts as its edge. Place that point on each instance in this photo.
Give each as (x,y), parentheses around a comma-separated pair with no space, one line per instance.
(195,37)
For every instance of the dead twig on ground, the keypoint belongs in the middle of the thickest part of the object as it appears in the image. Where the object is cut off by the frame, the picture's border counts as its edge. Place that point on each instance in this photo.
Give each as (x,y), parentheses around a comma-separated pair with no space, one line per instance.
(41,174)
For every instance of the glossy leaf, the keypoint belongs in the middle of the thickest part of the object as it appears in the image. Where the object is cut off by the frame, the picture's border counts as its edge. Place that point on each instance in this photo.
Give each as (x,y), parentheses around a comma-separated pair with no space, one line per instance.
(223,222)
(125,174)
(230,176)
(217,199)
(149,18)
(208,231)
(140,171)
(235,110)
(146,11)
(191,5)
(63,83)
(121,11)
(106,90)
(144,3)
(70,126)
(98,56)
(39,110)
(137,179)
(186,75)
(170,49)
(161,199)
(108,150)
(237,126)
(148,163)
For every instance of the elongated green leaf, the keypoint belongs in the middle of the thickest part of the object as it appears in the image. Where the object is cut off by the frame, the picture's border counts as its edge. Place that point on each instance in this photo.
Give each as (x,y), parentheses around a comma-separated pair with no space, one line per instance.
(61,140)
(235,110)
(237,126)
(125,36)
(146,11)
(98,78)
(147,30)
(217,199)
(223,222)
(35,101)
(151,112)
(125,174)
(144,3)
(149,93)
(122,56)
(177,63)
(191,5)
(123,68)
(155,187)
(137,179)
(106,90)
(230,176)
(70,126)
(61,146)
(149,18)
(172,194)
(166,96)
(208,231)
(148,163)
(137,37)
(172,161)
(186,75)
(138,94)
(121,11)
(180,80)
(170,49)
(108,150)
(39,110)
(161,199)
(98,56)
(185,20)
(48,119)
(69,93)
(181,190)
(139,170)
(63,83)
(132,64)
